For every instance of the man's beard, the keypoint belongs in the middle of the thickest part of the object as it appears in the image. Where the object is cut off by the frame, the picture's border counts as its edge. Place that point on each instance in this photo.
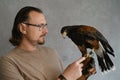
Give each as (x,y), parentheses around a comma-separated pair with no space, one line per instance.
(41,43)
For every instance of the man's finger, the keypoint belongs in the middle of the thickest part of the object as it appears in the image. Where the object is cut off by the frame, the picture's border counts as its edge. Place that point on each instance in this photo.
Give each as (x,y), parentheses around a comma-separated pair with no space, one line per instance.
(80,60)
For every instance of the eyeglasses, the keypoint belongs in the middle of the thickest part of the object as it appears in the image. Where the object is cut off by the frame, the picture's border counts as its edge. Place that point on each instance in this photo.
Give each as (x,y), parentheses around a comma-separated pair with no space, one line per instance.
(41,26)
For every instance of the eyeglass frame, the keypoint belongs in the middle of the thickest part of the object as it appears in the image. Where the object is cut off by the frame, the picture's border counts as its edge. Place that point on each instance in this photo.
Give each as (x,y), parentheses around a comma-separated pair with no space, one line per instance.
(41,26)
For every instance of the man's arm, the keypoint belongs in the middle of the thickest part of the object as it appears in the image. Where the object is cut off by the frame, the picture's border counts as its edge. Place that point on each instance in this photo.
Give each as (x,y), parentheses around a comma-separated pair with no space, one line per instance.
(75,69)
(8,70)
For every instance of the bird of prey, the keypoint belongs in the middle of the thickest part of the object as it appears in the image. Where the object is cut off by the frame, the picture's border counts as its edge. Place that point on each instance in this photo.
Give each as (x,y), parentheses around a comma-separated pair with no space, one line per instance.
(87,37)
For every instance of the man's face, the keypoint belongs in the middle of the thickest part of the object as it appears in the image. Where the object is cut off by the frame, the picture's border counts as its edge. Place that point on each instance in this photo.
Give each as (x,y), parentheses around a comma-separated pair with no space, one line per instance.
(36,35)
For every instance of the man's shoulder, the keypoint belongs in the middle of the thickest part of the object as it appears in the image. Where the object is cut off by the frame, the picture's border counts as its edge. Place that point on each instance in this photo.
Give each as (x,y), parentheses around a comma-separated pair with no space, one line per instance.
(9,53)
(7,56)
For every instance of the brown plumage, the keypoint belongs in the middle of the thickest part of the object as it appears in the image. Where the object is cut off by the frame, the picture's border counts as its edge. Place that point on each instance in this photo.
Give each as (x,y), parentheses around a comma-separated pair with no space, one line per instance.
(89,37)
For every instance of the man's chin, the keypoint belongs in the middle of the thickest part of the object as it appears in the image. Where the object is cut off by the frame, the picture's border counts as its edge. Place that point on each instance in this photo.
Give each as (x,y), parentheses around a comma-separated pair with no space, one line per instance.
(41,43)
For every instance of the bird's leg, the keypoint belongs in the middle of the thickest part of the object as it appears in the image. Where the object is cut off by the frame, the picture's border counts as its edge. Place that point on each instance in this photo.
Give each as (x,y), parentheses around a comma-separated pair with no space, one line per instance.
(83,50)
(91,72)
(91,52)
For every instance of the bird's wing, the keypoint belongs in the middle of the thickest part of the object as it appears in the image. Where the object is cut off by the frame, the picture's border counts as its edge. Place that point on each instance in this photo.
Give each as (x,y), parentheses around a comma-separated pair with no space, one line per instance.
(104,42)
(87,32)
(93,33)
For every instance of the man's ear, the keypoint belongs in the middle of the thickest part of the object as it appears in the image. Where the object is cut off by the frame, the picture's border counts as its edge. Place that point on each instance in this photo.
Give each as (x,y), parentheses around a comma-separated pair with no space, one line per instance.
(22,28)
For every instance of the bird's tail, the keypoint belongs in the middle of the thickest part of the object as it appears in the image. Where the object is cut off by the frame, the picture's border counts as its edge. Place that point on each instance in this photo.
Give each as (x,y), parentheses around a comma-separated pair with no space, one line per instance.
(108,48)
(104,60)
(105,63)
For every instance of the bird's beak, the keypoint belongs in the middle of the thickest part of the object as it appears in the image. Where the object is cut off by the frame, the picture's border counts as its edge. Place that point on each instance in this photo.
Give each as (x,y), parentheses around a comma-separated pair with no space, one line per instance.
(64,34)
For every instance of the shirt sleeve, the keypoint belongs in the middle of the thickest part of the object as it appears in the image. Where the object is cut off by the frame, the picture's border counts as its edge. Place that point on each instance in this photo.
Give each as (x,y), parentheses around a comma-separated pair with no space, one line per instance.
(8,70)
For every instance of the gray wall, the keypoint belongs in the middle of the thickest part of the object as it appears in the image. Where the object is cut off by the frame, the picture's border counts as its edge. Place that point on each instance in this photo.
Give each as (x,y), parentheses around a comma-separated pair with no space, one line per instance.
(103,14)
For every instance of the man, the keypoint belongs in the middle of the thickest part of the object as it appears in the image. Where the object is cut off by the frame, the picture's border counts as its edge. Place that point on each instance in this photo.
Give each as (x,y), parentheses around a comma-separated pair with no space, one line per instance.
(28,61)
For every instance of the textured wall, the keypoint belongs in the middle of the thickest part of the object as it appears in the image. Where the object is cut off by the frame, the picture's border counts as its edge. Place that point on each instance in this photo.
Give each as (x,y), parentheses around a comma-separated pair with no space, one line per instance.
(103,14)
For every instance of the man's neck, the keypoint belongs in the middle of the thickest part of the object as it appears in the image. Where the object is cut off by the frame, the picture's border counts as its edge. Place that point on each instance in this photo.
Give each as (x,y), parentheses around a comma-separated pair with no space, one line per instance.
(27,46)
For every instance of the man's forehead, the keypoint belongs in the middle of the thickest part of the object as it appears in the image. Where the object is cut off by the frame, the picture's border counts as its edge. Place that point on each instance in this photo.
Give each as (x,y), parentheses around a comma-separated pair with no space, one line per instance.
(33,15)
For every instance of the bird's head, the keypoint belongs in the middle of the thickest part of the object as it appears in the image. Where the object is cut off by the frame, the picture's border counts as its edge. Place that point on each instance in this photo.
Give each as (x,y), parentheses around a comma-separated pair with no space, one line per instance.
(64,31)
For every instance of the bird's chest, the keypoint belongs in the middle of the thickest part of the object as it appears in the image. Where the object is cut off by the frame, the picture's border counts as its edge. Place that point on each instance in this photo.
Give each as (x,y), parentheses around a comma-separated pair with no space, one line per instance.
(77,38)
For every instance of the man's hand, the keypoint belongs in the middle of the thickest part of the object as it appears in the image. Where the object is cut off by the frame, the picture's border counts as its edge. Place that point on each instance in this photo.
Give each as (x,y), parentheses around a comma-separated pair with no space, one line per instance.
(74,70)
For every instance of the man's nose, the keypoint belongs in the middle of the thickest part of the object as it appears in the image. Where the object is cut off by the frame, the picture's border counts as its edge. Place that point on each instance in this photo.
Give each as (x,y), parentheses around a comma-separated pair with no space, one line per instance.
(45,30)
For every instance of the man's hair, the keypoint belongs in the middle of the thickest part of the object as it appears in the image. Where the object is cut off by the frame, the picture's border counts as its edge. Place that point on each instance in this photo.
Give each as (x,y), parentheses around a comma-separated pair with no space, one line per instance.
(22,16)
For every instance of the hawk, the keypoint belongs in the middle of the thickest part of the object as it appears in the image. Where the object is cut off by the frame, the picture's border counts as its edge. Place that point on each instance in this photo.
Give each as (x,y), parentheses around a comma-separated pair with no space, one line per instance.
(88,37)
